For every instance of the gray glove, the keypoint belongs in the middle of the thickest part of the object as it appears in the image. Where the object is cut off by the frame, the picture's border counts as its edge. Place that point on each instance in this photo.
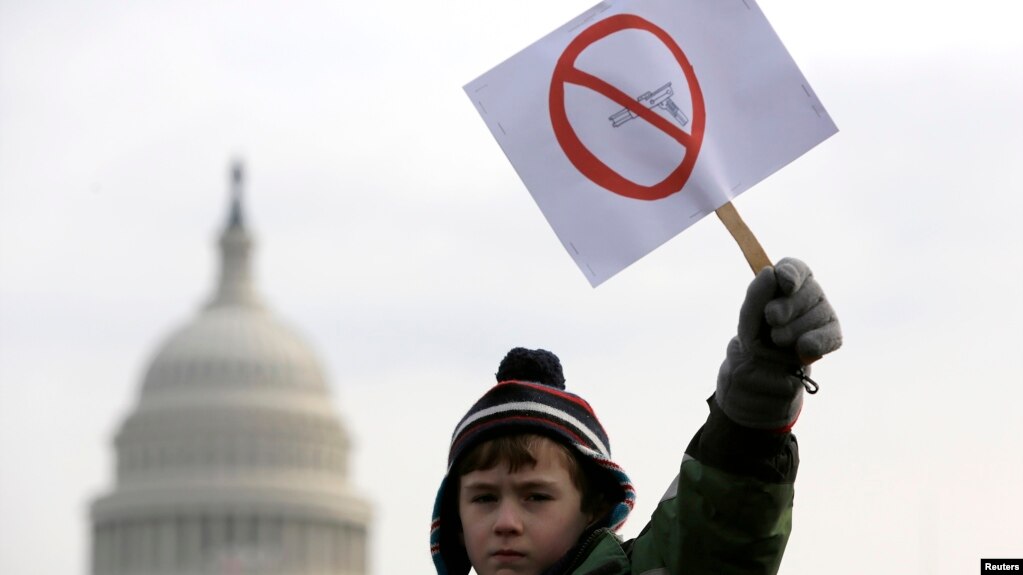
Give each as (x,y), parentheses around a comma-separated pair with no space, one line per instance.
(785,324)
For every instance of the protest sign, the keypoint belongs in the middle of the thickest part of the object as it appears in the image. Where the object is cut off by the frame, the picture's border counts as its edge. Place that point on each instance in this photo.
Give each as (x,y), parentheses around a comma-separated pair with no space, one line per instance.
(639,117)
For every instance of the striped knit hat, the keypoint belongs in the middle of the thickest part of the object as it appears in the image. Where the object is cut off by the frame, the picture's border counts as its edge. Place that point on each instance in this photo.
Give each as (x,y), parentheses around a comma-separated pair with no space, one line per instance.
(530,397)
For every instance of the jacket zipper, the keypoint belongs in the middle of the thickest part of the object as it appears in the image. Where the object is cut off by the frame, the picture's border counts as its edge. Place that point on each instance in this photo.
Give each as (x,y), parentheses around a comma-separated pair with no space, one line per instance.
(584,550)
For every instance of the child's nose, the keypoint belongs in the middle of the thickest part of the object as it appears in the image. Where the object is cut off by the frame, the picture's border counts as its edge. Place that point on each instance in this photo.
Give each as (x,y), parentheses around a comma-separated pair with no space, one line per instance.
(508,520)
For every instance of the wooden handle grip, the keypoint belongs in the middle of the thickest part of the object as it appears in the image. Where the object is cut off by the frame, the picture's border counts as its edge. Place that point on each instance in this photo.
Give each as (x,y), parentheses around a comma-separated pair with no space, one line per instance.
(755,254)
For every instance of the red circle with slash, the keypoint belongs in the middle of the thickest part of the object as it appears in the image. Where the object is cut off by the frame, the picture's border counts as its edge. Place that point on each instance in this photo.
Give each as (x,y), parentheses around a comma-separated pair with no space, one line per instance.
(583,159)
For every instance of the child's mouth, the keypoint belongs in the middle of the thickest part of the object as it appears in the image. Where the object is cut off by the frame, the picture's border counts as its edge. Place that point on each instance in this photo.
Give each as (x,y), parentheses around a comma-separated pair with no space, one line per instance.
(508,554)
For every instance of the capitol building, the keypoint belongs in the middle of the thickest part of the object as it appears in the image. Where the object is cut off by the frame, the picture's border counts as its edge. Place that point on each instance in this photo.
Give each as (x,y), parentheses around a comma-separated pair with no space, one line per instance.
(232,461)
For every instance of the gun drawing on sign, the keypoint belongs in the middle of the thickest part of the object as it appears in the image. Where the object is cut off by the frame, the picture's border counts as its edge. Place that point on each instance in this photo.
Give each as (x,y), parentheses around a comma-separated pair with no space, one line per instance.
(659,98)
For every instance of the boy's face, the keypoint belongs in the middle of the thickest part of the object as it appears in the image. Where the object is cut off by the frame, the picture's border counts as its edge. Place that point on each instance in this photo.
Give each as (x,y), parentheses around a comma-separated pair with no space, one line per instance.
(520,523)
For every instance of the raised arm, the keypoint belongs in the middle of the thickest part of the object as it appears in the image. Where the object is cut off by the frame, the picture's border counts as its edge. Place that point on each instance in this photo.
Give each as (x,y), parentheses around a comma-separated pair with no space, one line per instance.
(729,511)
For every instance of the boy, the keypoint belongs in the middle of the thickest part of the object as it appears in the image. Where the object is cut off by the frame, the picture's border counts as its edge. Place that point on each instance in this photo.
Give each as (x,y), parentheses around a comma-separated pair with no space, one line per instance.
(531,488)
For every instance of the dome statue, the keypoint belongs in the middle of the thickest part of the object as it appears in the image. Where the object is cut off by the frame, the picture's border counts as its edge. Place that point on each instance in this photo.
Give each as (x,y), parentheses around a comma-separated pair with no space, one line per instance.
(233,461)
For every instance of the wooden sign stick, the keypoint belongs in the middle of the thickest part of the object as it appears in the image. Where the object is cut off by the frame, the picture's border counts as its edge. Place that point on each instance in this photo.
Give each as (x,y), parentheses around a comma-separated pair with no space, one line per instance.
(755,254)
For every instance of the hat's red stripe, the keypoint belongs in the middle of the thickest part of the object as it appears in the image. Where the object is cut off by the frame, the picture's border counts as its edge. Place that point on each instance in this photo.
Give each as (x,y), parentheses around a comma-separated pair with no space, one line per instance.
(487,423)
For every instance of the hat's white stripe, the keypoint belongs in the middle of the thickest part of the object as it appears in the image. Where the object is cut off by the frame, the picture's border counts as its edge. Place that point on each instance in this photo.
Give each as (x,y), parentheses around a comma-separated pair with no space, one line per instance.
(535,406)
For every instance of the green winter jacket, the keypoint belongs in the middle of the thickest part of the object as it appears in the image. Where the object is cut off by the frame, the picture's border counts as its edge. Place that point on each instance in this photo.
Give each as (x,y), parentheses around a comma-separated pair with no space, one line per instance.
(710,522)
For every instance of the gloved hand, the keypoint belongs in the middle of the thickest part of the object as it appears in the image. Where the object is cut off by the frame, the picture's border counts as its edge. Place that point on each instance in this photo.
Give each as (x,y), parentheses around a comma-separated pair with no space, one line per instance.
(785,324)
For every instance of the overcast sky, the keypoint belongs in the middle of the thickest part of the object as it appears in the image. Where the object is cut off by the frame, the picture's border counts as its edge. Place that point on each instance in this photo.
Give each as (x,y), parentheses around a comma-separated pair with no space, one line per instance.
(396,237)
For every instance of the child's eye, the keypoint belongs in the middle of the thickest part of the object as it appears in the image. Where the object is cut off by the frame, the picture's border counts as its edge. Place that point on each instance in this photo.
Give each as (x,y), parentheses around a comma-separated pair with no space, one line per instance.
(483,498)
(539,497)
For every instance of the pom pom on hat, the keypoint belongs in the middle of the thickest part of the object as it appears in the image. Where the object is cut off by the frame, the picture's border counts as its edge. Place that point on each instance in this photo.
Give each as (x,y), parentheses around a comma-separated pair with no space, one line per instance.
(535,365)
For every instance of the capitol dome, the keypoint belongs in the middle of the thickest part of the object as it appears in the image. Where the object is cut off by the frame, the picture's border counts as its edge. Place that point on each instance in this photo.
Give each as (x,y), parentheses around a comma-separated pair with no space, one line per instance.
(233,460)
(234,345)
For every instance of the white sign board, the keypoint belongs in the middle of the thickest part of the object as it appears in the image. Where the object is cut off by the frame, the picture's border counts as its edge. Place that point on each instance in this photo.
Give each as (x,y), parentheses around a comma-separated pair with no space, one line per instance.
(639,117)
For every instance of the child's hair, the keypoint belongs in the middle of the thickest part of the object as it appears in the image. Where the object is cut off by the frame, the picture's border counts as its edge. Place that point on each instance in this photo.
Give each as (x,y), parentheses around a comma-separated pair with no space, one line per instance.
(517,451)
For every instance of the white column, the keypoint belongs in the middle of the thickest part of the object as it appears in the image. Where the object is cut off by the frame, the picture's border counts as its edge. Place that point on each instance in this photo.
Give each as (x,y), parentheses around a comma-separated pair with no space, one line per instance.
(292,546)
(116,549)
(100,549)
(336,552)
(190,545)
(166,546)
(360,549)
